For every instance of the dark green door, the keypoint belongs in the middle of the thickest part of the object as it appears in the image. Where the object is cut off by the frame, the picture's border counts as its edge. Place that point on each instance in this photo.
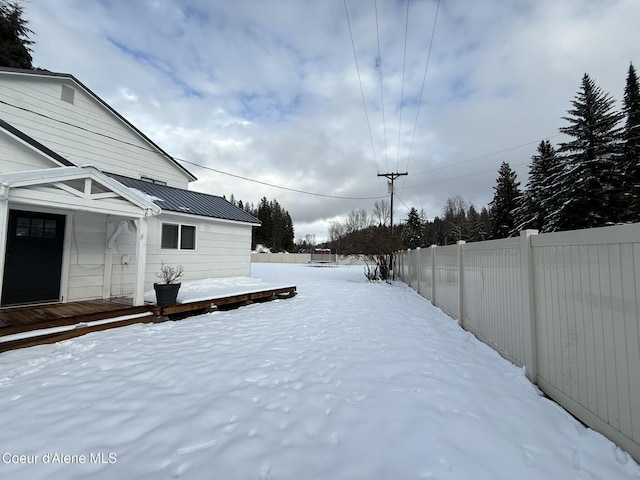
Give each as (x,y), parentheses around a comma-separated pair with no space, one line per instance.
(33,261)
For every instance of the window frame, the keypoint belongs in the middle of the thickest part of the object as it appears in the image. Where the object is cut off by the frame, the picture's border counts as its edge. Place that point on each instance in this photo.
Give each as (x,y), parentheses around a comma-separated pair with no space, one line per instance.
(180,227)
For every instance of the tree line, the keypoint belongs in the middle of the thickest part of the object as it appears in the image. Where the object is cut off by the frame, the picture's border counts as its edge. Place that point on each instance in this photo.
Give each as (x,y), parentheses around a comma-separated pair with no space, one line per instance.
(276,230)
(590,180)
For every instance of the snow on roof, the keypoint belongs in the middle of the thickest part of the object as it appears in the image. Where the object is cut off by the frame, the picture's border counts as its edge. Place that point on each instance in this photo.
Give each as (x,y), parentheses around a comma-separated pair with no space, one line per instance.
(151,198)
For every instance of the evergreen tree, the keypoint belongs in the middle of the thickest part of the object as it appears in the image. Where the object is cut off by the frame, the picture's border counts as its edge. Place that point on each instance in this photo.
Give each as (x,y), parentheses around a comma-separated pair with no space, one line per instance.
(485,224)
(504,202)
(277,226)
(631,148)
(288,242)
(475,230)
(587,188)
(14,36)
(537,201)
(412,233)
(262,234)
(276,230)
(438,236)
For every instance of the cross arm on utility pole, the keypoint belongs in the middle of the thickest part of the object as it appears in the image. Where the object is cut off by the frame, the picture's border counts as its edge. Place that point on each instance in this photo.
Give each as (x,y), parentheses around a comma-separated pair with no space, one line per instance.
(392,176)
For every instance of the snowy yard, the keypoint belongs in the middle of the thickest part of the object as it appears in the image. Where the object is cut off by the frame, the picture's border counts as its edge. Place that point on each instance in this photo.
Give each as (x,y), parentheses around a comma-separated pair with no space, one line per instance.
(347,380)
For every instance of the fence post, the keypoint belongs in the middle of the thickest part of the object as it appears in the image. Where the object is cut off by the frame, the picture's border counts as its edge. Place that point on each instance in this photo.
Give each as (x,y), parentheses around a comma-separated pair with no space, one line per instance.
(460,243)
(418,270)
(528,305)
(433,274)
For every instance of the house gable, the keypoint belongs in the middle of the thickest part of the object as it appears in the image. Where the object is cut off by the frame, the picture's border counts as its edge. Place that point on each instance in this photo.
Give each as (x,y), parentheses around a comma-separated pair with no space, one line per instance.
(62,114)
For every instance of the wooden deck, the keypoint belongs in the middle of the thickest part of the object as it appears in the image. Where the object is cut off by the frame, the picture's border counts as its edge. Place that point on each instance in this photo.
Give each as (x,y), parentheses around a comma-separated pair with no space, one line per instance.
(40,318)
(27,318)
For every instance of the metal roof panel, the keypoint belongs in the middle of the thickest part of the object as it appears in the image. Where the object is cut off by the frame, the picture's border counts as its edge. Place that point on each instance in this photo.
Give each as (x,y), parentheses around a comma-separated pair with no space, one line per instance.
(186,201)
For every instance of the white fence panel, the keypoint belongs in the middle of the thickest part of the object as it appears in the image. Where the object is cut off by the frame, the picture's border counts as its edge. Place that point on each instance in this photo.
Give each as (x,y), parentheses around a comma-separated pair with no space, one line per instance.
(413,268)
(425,273)
(403,264)
(565,305)
(493,296)
(299,258)
(446,280)
(587,285)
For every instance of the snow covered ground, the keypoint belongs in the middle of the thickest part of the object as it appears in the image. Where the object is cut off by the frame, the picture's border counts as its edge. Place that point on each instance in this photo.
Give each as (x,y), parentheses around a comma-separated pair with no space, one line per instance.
(347,380)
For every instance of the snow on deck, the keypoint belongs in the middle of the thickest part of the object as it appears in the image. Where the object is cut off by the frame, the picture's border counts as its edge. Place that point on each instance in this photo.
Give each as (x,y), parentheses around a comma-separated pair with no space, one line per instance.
(347,380)
(215,288)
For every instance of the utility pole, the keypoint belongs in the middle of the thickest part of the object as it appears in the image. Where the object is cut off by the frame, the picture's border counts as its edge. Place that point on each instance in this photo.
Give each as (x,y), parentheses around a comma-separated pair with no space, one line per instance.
(392,177)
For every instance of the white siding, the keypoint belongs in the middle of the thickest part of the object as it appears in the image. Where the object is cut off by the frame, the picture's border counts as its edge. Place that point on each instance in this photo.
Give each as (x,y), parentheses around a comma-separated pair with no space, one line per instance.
(223,249)
(17,157)
(123,276)
(114,148)
(86,259)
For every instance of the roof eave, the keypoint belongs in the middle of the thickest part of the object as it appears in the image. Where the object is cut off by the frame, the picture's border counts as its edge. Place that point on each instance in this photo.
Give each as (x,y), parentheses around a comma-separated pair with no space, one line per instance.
(31,142)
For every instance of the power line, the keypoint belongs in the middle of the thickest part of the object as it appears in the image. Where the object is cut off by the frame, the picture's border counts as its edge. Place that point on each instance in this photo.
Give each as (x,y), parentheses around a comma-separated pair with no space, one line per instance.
(315,194)
(265,183)
(404,64)
(459,177)
(403,202)
(384,123)
(484,172)
(364,102)
(303,191)
(77,126)
(481,157)
(187,161)
(424,79)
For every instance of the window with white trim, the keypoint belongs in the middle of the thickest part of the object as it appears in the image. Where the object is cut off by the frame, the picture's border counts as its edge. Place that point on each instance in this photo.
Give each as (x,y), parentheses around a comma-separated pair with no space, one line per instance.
(178,237)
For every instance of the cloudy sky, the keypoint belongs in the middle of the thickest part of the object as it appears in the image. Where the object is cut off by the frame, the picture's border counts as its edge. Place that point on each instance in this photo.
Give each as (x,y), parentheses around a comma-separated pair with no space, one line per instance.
(269,90)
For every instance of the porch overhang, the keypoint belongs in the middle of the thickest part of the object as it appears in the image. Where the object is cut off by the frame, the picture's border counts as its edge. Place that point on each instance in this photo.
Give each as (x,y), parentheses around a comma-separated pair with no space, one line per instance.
(77,189)
(84,189)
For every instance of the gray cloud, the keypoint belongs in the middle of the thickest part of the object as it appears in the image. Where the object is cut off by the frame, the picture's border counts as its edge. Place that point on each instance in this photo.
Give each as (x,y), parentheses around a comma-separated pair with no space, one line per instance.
(269,89)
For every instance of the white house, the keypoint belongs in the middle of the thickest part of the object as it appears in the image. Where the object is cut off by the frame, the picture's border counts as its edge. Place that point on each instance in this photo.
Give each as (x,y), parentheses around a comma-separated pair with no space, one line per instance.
(90,207)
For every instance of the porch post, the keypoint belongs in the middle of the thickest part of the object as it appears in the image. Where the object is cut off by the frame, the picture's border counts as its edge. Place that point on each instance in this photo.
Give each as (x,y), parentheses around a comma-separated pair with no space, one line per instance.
(141,260)
(4,218)
(108,261)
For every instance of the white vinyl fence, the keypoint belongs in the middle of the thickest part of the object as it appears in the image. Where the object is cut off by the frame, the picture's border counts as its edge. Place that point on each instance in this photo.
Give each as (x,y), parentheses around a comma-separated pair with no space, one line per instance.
(563,305)
(303,258)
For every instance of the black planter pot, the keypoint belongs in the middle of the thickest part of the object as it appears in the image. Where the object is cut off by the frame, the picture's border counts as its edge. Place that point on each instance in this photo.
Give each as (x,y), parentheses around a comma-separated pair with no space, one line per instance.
(166,293)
